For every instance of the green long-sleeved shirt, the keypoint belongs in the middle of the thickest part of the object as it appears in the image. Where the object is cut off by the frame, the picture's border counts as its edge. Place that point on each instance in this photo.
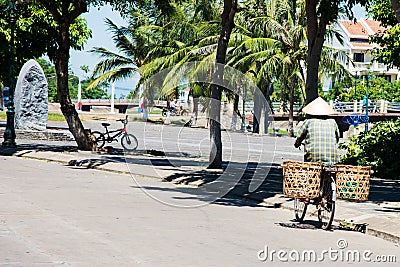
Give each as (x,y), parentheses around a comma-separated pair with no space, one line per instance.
(320,138)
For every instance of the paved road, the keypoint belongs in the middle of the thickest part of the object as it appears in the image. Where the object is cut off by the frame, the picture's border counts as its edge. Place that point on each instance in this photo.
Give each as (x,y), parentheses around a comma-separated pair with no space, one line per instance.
(56,215)
(238,147)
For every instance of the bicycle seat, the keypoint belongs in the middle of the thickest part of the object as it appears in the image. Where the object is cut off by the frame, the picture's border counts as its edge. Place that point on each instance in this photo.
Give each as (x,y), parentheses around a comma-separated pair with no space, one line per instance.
(105,124)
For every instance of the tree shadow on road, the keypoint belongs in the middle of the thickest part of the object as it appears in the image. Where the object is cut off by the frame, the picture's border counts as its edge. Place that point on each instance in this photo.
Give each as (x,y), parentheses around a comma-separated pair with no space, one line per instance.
(382,190)
(23,149)
(204,185)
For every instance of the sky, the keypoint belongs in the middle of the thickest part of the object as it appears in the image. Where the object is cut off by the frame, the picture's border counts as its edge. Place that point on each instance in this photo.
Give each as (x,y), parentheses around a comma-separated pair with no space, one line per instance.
(101,37)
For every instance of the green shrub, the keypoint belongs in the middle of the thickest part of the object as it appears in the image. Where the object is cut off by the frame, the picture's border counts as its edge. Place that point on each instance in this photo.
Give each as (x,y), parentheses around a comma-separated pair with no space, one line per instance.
(379,148)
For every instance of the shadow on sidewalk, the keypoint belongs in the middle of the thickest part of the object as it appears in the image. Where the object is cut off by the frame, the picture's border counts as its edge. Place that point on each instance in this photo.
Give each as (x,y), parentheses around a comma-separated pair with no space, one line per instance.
(382,190)
(208,182)
(23,149)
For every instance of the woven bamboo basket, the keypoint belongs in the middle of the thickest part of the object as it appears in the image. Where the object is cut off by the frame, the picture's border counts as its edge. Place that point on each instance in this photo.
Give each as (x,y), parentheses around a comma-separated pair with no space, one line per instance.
(352,182)
(301,179)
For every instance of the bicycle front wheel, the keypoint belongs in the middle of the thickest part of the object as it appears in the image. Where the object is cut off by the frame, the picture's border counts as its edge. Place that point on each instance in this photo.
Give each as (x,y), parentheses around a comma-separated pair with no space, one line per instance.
(99,138)
(129,142)
(326,207)
(300,209)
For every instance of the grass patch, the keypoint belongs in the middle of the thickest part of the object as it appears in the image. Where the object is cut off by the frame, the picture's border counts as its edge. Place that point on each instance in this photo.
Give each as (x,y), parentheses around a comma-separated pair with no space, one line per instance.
(55,117)
(178,122)
(51,116)
(280,132)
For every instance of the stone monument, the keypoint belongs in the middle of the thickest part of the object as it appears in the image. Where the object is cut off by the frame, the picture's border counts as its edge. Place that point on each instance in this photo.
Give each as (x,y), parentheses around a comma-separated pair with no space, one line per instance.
(31,98)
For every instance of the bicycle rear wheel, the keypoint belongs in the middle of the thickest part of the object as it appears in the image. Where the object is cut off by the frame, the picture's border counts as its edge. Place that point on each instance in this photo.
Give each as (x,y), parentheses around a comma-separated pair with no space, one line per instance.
(326,207)
(129,142)
(300,209)
(99,138)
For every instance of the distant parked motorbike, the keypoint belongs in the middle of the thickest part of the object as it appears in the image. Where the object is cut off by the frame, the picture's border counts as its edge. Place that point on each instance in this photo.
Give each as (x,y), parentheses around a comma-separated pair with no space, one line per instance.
(175,112)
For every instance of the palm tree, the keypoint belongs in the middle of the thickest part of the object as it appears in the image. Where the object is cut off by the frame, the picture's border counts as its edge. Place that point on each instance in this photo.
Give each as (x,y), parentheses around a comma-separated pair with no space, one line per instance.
(275,47)
(270,51)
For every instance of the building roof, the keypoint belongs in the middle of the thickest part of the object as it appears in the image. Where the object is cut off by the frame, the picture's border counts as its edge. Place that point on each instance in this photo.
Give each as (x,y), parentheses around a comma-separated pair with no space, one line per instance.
(354,29)
(361,29)
(373,26)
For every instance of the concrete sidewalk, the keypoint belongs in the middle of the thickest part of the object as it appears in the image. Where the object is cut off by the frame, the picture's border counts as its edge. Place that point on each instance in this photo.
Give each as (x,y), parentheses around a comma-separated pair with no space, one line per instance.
(381,214)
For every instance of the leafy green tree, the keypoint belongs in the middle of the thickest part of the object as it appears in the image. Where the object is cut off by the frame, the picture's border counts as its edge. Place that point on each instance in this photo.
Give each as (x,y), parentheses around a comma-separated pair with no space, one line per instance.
(275,49)
(35,35)
(382,10)
(379,89)
(50,72)
(379,148)
(64,13)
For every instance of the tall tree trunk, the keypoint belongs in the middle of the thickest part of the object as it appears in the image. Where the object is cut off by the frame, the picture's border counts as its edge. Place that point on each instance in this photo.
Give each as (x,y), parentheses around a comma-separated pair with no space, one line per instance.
(291,104)
(64,13)
(75,125)
(260,118)
(268,106)
(316,29)
(396,8)
(227,16)
(196,101)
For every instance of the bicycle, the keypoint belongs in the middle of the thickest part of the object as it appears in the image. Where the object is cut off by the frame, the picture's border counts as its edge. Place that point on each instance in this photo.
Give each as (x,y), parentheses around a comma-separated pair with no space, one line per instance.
(325,202)
(128,141)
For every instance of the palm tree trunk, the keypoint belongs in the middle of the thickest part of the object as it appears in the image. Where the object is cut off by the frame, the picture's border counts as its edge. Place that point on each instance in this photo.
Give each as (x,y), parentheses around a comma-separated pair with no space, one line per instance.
(268,106)
(316,29)
(75,125)
(227,16)
(260,119)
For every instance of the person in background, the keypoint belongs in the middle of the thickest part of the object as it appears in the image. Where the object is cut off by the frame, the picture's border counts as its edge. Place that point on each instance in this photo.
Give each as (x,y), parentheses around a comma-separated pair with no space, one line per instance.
(336,103)
(173,105)
(319,133)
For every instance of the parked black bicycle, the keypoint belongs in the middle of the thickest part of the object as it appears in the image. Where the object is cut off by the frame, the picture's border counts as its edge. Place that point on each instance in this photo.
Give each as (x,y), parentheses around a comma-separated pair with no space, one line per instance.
(128,141)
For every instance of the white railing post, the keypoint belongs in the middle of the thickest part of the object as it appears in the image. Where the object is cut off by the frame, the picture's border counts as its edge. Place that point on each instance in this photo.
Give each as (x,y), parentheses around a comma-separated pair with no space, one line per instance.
(112,97)
(355,106)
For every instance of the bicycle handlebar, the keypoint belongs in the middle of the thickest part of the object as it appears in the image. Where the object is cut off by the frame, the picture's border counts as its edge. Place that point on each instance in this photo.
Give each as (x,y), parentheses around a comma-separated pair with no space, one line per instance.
(125,121)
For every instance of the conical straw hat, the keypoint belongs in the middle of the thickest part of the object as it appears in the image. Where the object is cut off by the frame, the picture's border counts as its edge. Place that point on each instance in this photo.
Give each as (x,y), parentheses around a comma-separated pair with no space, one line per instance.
(318,107)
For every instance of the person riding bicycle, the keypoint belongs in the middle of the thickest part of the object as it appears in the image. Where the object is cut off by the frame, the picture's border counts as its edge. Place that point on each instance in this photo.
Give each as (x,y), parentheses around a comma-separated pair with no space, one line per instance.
(174,106)
(319,133)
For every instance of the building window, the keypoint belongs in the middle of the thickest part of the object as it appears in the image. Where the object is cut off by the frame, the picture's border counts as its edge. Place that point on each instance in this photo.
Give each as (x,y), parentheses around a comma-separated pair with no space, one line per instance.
(359,40)
(358,57)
